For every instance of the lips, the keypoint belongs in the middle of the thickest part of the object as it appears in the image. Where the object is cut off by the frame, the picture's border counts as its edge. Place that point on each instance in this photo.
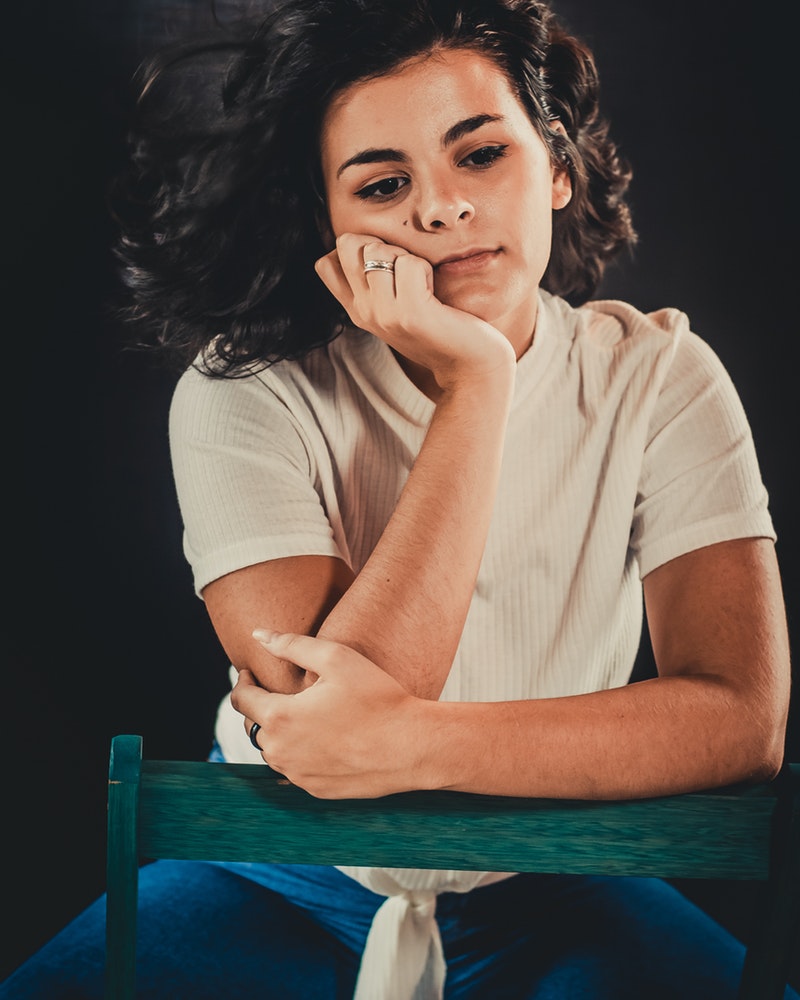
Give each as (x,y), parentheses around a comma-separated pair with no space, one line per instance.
(467,260)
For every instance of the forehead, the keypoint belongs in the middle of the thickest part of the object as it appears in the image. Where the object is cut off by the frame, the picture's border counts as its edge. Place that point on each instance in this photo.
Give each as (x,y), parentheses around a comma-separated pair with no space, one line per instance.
(419,101)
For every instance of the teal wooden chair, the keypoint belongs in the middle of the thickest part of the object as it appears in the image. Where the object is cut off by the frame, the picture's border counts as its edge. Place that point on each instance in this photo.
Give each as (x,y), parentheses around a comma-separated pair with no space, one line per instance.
(200,810)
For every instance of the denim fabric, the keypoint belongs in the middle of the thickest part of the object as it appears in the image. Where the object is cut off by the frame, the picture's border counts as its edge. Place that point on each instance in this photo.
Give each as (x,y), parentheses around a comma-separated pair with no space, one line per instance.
(207,932)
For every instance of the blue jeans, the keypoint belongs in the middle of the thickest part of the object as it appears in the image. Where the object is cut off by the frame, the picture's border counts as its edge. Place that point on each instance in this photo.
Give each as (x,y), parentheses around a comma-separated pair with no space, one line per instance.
(209,931)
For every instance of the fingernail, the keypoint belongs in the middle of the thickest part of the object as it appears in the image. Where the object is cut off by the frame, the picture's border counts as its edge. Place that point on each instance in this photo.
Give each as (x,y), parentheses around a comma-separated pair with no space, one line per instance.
(264,635)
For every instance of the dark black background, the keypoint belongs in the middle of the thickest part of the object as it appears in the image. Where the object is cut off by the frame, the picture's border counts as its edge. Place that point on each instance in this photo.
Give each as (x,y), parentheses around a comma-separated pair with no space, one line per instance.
(103,632)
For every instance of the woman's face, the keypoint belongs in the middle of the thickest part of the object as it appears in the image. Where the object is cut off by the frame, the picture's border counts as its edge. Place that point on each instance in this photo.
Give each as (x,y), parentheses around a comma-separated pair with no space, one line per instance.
(441,159)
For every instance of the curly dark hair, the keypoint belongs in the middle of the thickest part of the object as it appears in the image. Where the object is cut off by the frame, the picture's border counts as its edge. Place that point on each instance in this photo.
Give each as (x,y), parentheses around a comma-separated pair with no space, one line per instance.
(220,213)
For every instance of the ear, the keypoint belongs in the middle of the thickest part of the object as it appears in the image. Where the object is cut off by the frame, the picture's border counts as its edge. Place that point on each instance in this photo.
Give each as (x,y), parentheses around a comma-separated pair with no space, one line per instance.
(562,181)
(562,188)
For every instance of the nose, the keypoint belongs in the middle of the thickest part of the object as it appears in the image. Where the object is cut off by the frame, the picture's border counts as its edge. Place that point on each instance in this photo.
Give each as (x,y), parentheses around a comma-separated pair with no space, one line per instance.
(443,207)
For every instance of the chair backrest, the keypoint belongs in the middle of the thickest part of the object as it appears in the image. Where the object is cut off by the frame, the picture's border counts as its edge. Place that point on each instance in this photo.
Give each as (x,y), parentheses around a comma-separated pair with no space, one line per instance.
(209,811)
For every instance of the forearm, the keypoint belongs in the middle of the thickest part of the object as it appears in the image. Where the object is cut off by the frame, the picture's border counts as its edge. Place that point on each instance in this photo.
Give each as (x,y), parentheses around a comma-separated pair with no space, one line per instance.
(420,577)
(662,736)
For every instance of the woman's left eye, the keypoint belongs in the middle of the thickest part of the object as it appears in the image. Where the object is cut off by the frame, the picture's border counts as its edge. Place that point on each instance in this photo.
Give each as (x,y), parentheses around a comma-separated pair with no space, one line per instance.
(484,157)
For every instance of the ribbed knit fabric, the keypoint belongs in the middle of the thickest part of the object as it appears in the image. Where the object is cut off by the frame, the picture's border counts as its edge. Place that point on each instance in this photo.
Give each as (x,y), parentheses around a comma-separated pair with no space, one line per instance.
(626,446)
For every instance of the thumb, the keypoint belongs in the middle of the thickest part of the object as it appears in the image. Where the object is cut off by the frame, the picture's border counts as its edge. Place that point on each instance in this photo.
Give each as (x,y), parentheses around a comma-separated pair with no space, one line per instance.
(321,656)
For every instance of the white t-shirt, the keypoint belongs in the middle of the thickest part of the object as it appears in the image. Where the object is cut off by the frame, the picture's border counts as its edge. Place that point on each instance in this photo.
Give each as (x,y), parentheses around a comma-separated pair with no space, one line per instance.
(626,446)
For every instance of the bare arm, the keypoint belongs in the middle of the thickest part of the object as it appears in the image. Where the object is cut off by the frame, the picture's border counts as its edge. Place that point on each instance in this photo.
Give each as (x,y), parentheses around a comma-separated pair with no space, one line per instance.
(419,579)
(421,575)
(715,714)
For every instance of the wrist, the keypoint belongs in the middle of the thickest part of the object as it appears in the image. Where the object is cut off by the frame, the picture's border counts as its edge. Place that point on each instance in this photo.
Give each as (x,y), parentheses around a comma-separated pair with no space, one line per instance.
(429,747)
(495,371)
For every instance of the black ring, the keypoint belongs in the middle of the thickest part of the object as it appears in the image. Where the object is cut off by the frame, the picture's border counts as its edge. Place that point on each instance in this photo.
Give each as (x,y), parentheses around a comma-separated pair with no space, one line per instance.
(253,733)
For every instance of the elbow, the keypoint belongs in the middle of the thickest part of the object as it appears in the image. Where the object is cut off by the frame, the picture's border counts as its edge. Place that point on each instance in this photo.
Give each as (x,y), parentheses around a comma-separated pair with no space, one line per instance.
(765,751)
(773,752)
(752,731)
(766,766)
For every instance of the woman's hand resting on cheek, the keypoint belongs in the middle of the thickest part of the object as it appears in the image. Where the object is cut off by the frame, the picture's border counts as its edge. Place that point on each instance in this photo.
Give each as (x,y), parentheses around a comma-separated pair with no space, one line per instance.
(354,733)
(400,308)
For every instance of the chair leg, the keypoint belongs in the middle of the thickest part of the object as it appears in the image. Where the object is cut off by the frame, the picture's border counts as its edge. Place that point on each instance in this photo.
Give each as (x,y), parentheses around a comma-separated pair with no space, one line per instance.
(122,872)
(777,934)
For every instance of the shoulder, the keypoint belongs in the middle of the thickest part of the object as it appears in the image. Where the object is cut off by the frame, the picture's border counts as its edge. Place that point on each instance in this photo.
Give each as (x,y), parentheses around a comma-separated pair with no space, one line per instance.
(260,387)
(611,342)
(610,327)
(611,323)
(300,394)
(649,362)
(661,341)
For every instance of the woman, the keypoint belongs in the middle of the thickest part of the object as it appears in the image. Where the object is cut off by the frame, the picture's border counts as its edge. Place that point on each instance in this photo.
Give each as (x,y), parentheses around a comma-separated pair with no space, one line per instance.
(424,493)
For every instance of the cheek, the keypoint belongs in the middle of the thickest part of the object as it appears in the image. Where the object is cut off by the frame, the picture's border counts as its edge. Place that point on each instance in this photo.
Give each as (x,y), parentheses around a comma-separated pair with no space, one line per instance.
(535,217)
(338,221)
(349,216)
(389,227)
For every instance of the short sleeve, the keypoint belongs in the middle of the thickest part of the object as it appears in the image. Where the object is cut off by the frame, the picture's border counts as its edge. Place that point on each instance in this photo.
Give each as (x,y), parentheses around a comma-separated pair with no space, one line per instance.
(700,481)
(245,474)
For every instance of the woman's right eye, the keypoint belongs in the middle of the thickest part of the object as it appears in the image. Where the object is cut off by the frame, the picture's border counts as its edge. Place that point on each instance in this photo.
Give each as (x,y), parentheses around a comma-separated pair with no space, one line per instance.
(383,190)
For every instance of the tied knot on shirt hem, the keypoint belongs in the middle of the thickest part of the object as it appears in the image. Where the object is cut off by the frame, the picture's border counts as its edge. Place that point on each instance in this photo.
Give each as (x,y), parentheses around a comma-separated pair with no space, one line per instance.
(403,957)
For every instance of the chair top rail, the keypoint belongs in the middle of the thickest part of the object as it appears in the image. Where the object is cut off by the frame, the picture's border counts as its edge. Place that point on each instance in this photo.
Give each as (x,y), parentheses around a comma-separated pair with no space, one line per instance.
(217,811)
(195,809)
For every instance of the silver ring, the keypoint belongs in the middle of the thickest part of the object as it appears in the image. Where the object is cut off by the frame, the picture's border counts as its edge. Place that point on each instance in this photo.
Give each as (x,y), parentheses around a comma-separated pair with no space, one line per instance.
(379,265)
(253,733)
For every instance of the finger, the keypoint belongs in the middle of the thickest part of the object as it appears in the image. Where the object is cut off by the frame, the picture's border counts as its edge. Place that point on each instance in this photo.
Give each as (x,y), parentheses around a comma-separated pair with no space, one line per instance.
(255,733)
(379,278)
(251,700)
(377,261)
(246,679)
(356,248)
(374,249)
(413,277)
(350,252)
(322,656)
(252,728)
(330,271)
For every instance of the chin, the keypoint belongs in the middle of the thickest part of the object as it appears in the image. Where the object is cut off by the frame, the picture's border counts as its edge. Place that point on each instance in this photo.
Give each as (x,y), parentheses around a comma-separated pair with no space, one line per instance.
(483,307)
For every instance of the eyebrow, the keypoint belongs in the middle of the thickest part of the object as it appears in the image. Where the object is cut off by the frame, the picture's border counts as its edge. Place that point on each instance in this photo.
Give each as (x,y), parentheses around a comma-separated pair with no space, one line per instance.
(373,156)
(465,127)
(388,155)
